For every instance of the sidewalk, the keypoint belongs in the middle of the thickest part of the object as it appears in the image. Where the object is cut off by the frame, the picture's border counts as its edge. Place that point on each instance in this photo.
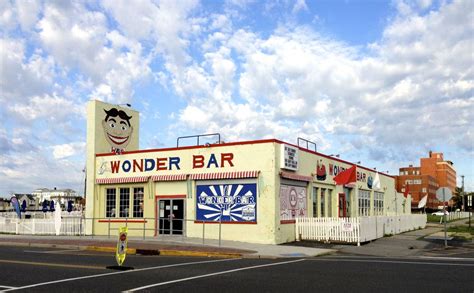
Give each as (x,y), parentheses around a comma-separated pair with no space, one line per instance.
(423,242)
(168,245)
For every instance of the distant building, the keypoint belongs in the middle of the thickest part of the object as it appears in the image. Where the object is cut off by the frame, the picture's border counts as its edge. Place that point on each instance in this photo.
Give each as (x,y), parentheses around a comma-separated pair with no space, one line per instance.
(4,204)
(29,198)
(433,172)
(61,195)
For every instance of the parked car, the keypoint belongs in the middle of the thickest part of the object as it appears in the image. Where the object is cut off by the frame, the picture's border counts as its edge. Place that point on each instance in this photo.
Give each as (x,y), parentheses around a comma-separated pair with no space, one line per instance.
(440,213)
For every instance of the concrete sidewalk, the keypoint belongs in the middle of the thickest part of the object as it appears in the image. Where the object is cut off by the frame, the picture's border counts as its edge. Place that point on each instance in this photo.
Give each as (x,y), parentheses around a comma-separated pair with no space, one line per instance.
(423,242)
(168,245)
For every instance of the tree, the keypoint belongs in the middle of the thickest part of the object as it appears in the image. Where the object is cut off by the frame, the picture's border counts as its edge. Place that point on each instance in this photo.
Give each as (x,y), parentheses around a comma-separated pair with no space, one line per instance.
(457,198)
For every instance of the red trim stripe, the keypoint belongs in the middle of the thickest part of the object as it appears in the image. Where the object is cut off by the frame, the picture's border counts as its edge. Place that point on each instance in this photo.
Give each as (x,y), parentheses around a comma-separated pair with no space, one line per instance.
(175,177)
(297,177)
(178,196)
(122,180)
(225,175)
(122,221)
(287,221)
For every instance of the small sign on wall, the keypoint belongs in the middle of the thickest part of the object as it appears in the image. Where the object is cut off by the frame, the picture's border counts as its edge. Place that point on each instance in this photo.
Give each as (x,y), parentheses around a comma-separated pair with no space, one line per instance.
(289,157)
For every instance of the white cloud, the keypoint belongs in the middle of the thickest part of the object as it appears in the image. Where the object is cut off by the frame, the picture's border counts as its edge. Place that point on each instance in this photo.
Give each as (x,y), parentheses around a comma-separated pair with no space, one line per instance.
(67,150)
(51,108)
(80,39)
(300,5)
(23,76)
(28,11)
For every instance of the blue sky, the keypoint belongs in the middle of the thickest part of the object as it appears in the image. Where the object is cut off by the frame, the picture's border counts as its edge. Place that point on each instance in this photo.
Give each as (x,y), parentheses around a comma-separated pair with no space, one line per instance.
(381,82)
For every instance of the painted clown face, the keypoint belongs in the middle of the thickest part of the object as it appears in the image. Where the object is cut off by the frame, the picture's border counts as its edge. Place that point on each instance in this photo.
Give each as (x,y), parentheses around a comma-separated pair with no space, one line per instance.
(117,128)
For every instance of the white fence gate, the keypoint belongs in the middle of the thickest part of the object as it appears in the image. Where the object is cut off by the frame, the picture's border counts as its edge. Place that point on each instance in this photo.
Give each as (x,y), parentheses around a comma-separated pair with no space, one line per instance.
(328,229)
(356,230)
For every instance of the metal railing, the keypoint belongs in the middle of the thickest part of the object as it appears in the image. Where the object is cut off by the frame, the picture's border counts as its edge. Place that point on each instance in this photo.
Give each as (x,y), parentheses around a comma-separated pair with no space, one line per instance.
(308,142)
(77,226)
(198,137)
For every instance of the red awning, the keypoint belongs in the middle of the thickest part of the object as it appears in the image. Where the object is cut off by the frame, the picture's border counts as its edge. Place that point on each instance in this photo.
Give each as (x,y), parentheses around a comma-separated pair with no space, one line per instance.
(225,175)
(176,177)
(122,180)
(296,177)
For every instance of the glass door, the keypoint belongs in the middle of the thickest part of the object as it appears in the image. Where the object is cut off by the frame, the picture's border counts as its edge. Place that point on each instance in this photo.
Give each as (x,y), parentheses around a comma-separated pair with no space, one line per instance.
(170,216)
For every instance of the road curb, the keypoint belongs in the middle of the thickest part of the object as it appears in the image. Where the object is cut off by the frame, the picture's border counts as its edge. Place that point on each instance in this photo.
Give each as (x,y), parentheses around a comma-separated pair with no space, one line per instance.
(130,251)
(172,252)
(109,249)
(41,245)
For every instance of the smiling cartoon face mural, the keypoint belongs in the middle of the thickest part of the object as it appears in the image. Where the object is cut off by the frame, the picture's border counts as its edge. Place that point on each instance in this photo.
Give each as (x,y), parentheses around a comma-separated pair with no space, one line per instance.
(117,129)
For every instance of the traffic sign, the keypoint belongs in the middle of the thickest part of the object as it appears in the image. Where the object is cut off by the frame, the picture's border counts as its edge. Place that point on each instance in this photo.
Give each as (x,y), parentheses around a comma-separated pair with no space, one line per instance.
(443,194)
(121,252)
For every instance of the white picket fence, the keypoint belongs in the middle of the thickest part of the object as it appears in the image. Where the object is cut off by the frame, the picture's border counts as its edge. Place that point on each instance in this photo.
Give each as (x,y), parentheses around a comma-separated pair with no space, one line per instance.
(328,229)
(35,226)
(356,230)
(457,215)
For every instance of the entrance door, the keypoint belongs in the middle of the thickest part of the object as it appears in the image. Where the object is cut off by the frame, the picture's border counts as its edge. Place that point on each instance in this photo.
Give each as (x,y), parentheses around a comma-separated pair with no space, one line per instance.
(342,205)
(171,216)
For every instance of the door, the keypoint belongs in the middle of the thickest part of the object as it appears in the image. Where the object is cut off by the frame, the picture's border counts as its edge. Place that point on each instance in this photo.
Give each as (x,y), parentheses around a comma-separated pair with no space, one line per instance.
(342,205)
(170,216)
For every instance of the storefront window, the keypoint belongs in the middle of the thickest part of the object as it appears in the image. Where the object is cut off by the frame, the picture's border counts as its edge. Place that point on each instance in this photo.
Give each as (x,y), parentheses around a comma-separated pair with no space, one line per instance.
(315,203)
(124,202)
(323,191)
(364,202)
(110,202)
(138,202)
(378,203)
(329,202)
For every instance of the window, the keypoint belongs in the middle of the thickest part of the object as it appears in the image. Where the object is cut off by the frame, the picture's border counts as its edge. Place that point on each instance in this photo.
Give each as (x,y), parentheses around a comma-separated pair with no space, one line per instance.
(378,203)
(329,202)
(323,191)
(423,189)
(124,204)
(110,200)
(364,202)
(138,202)
(315,204)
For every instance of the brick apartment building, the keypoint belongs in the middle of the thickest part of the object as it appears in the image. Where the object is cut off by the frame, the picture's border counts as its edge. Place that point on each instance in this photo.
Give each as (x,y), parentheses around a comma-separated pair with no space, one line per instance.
(433,172)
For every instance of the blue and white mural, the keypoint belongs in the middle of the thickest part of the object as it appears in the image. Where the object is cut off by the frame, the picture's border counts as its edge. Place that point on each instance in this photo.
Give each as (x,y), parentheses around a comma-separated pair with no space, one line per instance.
(232,202)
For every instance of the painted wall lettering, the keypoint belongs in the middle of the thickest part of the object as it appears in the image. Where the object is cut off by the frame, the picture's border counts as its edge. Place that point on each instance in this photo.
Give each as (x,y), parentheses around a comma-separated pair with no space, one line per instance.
(212,161)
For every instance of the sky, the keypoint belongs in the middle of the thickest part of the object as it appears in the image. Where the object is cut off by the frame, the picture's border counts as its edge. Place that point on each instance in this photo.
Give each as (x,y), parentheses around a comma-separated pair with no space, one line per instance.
(380,82)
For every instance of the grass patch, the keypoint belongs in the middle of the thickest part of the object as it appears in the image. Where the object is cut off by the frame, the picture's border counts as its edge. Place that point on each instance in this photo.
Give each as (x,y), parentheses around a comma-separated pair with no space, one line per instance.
(461,229)
(433,218)
(437,219)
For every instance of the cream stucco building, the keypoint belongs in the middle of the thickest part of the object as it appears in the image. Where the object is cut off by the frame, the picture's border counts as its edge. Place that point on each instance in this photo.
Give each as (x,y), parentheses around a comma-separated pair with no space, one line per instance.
(253,190)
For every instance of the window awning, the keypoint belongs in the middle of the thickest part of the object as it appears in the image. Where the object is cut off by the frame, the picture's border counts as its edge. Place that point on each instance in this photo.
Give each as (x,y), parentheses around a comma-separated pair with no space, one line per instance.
(225,175)
(122,180)
(176,177)
(296,177)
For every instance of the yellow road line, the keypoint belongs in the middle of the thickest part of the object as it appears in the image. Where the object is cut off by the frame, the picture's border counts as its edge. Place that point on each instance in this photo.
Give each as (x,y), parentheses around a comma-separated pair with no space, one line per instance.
(51,264)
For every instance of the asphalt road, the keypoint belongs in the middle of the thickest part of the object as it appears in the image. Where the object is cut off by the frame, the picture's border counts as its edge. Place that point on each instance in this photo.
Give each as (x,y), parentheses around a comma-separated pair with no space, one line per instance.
(53,270)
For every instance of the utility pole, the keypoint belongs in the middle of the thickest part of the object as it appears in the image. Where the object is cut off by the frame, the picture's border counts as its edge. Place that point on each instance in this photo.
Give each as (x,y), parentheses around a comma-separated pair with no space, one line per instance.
(462,194)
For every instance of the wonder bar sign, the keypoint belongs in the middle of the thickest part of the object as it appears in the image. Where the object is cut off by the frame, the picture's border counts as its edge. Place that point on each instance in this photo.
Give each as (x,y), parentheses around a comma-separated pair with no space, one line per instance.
(172,163)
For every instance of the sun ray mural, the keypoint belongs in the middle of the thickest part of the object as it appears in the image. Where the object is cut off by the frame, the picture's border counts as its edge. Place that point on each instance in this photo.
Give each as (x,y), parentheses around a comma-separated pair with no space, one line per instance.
(227,203)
